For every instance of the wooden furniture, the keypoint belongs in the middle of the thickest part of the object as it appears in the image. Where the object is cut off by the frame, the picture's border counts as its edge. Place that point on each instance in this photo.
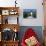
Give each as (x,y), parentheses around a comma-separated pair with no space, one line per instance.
(5,13)
(10,43)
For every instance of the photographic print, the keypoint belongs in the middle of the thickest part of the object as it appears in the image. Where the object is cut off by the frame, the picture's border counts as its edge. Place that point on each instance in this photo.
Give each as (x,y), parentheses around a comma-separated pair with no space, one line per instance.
(29,13)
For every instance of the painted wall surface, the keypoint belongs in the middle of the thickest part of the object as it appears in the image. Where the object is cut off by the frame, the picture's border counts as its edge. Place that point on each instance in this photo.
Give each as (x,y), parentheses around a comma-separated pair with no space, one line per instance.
(32,4)
(27,4)
(7,3)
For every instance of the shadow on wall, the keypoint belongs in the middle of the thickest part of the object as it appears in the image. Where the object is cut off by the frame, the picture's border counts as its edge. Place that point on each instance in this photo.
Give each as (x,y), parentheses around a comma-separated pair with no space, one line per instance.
(37,29)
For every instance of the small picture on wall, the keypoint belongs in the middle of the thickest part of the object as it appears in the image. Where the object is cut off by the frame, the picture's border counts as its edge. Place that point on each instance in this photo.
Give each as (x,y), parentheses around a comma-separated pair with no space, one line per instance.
(29,13)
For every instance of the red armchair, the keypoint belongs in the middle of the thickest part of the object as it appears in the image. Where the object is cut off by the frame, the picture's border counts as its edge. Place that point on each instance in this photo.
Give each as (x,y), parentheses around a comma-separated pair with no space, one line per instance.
(28,34)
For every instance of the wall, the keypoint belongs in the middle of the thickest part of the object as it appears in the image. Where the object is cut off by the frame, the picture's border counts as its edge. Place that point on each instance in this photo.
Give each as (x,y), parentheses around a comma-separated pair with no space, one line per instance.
(32,4)
(27,4)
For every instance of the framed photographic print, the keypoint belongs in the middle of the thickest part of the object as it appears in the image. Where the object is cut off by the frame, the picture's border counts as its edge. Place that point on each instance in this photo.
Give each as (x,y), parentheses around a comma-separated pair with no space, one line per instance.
(29,13)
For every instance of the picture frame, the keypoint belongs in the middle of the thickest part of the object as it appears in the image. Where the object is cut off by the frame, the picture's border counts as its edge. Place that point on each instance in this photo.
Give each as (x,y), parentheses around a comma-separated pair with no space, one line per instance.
(29,13)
